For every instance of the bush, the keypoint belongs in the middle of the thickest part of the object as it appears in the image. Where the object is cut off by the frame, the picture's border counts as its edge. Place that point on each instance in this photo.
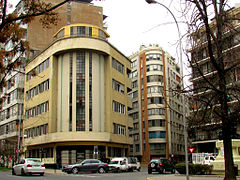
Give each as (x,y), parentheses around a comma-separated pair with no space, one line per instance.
(196,169)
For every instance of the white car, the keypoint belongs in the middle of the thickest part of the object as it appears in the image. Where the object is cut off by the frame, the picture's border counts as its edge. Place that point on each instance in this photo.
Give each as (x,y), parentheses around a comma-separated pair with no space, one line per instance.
(29,166)
(208,159)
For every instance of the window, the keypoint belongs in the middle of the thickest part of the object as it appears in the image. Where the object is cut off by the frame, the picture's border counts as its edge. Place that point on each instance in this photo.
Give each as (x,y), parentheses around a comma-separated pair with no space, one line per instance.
(40,68)
(157,134)
(135,105)
(137,148)
(154,67)
(119,129)
(155,89)
(80,91)
(134,115)
(133,74)
(156,123)
(156,111)
(81,30)
(44,86)
(36,131)
(155,78)
(134,64)
(155,100)
(154,57)
(117,65)
(40,109)
(90,31)
(118,107)
(135,94)
(72,31)
(134,84)
(118,86)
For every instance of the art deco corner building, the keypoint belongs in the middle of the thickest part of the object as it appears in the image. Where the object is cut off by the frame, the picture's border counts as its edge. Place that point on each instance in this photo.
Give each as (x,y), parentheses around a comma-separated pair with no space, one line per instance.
(76,102)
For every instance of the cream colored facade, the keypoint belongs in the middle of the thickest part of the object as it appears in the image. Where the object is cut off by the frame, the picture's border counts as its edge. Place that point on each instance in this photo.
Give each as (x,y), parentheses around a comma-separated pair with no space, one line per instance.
(157,108)
(72,109)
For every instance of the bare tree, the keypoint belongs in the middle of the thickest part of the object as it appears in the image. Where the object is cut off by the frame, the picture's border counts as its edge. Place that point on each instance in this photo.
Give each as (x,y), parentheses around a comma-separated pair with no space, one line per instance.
(215,57)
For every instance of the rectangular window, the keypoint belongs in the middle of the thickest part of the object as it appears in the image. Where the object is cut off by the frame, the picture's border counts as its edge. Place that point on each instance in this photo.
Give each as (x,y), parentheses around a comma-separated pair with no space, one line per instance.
(71,31)
(119,129)
(134,64)
(80,91)
(118,107)
(90,31)
(118,86)
(117,65)
(40,68)
(81,30)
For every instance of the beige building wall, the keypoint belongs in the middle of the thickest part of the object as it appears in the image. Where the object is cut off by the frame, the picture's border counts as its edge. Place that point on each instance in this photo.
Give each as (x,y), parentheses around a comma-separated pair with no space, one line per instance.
(58,96)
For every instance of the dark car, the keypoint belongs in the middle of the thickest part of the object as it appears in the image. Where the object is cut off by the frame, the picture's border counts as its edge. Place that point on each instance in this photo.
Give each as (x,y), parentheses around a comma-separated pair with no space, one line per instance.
(160,165)
(88,165)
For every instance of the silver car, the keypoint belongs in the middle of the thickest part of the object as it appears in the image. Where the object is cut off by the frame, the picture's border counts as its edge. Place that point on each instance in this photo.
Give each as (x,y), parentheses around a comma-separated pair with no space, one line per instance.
(29,166)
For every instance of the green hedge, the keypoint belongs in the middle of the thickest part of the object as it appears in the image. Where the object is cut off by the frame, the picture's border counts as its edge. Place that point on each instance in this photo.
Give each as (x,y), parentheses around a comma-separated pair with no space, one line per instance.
(194,168)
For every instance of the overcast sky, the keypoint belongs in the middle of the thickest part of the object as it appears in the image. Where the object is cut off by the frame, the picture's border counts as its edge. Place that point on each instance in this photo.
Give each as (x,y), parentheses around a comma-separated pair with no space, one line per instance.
(132,23)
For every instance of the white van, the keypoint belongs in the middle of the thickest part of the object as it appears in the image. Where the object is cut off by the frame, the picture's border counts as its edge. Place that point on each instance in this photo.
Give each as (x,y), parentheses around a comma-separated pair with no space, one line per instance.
(119,164)
(124,164)
(134,164)
(208,159)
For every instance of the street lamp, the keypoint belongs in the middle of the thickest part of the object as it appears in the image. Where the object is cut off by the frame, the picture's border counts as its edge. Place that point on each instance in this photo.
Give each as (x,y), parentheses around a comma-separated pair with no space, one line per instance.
(183,97)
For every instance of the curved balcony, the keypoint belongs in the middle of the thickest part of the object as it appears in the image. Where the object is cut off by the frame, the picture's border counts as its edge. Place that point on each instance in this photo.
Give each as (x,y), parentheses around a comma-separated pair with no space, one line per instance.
(83,30)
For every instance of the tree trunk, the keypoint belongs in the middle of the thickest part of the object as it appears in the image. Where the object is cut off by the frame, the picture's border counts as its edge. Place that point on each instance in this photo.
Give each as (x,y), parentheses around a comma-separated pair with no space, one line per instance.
(229,166)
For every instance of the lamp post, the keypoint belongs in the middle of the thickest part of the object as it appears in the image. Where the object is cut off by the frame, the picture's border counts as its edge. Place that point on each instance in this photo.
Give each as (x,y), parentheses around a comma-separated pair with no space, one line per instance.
(183,97)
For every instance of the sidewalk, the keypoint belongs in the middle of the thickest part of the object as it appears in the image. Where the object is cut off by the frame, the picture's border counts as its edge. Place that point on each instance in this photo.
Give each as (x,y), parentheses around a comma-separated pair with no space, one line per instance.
(54,171)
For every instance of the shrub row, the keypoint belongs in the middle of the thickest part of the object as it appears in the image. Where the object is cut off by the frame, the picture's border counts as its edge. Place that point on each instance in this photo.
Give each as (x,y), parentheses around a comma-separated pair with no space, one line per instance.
(194,168)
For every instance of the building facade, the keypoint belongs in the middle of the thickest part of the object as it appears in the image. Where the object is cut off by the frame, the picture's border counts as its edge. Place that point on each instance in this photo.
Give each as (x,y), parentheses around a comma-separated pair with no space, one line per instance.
(204,139)
(75,90)
(11,112)
(157,107)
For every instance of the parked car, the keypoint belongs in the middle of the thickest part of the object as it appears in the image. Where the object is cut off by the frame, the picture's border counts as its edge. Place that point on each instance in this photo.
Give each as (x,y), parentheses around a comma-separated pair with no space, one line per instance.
(29,166)
(208,159)
(88,165)
(134,164)
(160,165)
(119,164)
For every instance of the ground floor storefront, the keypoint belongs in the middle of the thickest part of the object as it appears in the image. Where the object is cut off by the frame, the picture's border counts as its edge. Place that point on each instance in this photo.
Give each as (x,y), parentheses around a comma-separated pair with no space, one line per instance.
(59,154)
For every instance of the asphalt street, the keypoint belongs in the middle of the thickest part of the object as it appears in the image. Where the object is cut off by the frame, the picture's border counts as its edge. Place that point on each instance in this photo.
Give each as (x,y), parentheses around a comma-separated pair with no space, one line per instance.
(143,175)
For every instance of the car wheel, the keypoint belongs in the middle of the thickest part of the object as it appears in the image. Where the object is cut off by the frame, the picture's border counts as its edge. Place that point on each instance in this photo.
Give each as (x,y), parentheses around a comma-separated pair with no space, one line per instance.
(13,172)
(41,174)
(149,172)
(139,169)
(130,169)
(75,170)
(101,170)
(117,170)
(22,172)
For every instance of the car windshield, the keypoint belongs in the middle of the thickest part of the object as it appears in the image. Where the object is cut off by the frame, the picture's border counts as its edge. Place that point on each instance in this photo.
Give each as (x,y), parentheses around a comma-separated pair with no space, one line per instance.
(113,162)
(154,160)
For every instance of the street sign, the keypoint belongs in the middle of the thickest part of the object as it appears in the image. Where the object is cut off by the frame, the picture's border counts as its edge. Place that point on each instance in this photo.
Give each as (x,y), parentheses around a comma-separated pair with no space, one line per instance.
(191,150)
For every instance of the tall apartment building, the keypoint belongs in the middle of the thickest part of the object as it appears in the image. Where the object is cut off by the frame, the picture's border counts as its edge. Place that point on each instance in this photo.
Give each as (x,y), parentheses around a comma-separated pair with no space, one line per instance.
(204,139)
(11,112)
(75,90)
(157,107)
